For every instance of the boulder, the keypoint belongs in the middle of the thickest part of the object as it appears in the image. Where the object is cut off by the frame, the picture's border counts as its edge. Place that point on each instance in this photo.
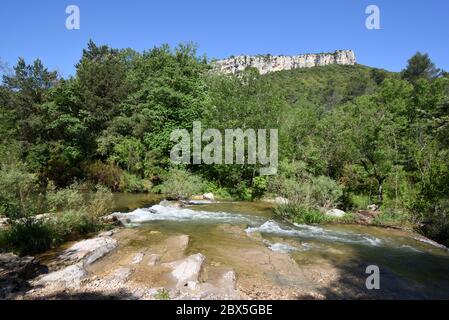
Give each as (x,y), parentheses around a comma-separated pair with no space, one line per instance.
(337,213)
(366,216)
(88,251)
(138,258)
(209,196)
(281,200)
(187,271)
(70,276)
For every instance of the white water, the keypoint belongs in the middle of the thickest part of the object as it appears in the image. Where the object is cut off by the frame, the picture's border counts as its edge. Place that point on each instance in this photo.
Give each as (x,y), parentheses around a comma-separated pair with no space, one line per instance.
(314,232)
(162,213)
(299,232)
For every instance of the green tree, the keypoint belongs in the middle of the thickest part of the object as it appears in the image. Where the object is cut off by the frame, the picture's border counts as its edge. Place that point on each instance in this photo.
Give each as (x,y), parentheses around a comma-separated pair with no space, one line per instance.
(420,66)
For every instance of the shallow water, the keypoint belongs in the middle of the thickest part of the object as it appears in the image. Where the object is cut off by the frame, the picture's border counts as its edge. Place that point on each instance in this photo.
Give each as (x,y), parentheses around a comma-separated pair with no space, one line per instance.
(238,234)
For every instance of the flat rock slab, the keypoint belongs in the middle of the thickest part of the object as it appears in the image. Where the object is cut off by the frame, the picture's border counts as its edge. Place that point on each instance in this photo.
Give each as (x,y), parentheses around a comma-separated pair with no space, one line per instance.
(187,271)
(89,250)
(70,276)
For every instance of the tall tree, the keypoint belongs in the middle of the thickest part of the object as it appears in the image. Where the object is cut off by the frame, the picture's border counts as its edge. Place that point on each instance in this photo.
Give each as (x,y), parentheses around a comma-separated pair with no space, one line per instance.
(420,66)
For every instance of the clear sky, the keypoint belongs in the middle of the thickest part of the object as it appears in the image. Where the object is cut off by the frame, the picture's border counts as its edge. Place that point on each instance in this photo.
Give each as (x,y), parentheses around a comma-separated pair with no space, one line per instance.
(36,29)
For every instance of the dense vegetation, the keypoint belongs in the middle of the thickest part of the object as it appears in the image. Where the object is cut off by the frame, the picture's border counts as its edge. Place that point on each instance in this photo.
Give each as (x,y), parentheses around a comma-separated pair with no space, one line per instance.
(349,136)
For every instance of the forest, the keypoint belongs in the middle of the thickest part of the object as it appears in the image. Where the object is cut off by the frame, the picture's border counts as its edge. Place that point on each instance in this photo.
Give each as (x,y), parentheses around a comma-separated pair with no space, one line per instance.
(349,137)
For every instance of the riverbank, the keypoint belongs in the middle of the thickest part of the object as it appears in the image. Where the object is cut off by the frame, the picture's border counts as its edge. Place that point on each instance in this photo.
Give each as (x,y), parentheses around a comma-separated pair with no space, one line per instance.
(232,250)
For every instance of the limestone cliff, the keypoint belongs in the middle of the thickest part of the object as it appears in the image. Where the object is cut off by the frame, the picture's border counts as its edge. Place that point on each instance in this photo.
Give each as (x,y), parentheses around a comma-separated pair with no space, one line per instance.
(269,63)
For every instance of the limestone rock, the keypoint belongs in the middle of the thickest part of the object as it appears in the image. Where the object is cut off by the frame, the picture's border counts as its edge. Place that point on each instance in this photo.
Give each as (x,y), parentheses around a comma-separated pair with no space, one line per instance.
(70,276)
(153,259)
(187,270)
(269,63)
(209,196)
(88,250)
(337,213)
(281,200)
(138,258)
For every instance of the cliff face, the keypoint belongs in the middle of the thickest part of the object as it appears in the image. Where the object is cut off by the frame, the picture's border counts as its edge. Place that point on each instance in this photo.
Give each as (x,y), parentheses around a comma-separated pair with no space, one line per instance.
(268,63)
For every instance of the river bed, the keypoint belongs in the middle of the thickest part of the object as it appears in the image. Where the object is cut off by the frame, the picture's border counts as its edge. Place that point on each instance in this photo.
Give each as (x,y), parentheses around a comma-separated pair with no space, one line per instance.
(274,259)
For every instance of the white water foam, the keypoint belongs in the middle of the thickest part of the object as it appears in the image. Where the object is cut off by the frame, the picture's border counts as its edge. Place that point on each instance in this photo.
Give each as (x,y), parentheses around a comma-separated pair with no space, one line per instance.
(314,232)
(286,248)
(162,213)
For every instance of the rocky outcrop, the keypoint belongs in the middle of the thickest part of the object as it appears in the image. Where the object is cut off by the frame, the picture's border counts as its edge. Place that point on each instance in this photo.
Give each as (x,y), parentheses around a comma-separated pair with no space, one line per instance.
(268,63)
(78,256)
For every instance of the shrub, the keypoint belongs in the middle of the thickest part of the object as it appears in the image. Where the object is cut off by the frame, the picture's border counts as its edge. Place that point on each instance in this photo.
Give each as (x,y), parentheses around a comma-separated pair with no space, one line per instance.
(301,214)
(64,199)
(75,223)
(179,183)
(260,185)
(19,192)
(29,236)
(106,174)
(133,184)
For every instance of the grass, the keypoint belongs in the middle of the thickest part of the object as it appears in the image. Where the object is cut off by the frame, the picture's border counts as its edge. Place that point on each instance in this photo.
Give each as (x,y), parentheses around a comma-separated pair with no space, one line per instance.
(162,294)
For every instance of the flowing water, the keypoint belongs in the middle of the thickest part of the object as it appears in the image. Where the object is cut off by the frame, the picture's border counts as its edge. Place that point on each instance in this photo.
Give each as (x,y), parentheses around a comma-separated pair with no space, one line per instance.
(270,255)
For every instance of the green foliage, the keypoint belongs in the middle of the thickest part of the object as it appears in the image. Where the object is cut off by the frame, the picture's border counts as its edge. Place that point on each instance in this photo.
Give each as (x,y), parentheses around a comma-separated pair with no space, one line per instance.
(420,66)
(179,183)
(162,294)
(295,183)
(349,136)
(105,174)
(19,192)
(29,236)
(302,214)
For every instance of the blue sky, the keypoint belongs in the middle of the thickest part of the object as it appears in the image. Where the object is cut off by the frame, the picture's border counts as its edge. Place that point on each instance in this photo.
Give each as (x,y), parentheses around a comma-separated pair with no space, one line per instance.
(36,29)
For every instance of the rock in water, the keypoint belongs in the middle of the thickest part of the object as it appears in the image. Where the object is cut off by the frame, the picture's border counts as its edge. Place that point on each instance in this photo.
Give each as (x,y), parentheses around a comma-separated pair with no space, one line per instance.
(187,271)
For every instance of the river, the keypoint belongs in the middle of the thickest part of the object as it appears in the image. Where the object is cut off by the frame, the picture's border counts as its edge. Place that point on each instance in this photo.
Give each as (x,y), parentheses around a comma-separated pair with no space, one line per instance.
(275,259)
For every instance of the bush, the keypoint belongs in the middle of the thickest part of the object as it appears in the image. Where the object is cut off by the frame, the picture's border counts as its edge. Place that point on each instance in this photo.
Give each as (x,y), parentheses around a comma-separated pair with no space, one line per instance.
(19,192)
(29,236)
(133,184)
(105,174)
(436,223)
(76,223)
(301,214)
(299,186)
(64,199)
(180,184)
